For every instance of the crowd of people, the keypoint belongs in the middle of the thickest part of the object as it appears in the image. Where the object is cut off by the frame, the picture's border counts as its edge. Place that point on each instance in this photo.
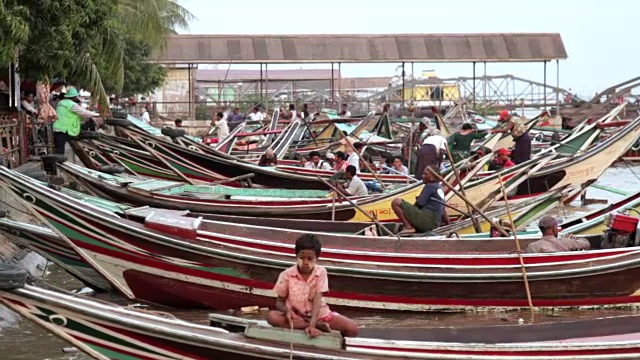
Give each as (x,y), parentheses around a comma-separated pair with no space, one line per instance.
(424,153)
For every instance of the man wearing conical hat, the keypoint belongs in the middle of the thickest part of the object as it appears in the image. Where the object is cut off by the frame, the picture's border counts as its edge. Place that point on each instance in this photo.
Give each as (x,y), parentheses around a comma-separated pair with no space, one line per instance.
(70,115)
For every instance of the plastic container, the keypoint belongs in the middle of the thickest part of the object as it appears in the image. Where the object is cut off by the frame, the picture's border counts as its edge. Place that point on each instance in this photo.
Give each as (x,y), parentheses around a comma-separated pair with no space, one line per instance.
(623,223)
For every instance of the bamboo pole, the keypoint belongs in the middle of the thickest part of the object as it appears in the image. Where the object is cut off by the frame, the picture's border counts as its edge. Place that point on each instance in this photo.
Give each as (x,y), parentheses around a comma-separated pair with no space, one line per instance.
(371,217)
(473,206)
(515,237)
(474,220)
(333,208)
(159,157)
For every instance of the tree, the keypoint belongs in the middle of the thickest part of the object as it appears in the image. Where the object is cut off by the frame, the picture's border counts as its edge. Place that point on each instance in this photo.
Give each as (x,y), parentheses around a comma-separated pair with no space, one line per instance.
(14,29)
(152,20)
(141,77)
(68,38)
(84,41)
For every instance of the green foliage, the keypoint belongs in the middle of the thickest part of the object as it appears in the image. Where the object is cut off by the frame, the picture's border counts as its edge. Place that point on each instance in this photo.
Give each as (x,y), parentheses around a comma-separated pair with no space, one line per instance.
(140,76)
(203,112)
(14,29)
(94,44)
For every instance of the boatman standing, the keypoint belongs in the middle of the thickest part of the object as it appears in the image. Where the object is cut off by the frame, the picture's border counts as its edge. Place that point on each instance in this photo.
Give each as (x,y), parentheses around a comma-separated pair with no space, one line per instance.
(517,128)
(70,115)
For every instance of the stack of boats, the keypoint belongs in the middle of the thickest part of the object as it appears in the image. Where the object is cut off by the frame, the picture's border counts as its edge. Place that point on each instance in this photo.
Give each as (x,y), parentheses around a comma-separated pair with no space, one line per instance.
(184,222)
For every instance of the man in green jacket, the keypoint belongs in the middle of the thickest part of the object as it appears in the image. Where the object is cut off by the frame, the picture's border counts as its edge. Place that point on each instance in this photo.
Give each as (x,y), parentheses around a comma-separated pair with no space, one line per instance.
(70,115)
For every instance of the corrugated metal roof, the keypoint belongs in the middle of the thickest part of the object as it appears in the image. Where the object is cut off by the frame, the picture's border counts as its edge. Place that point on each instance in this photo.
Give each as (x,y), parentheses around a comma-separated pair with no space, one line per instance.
(514,47)
(239,75)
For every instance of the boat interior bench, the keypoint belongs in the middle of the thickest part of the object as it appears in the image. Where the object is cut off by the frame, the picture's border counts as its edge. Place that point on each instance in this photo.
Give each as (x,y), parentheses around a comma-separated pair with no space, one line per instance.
(479,334)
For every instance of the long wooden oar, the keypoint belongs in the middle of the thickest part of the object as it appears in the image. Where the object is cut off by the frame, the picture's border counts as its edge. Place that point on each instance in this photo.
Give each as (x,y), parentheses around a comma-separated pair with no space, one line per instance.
(474,220)
(515,236)
(473,206)
(159,157)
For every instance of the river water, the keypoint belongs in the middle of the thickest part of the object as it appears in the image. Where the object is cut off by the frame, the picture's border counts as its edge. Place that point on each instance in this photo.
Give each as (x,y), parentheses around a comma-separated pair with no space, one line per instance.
(23,340)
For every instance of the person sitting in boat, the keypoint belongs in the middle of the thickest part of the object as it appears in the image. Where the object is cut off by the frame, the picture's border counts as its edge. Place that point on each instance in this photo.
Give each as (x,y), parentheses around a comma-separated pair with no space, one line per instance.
(255,114)
(428,210)
(396,167)
(303,162)
(345,111)
(550,242)
(315,162)
(293,114)
(178,123)
(300,289)
(354,185)
(354,155)
(330,159)
(341,162)
(460,142)
(268,159)
(502,160)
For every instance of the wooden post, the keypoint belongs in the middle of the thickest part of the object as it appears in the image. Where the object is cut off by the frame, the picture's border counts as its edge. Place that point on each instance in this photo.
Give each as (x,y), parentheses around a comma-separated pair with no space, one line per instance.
(515,236)
(476,225)
(333,208)
(473,206)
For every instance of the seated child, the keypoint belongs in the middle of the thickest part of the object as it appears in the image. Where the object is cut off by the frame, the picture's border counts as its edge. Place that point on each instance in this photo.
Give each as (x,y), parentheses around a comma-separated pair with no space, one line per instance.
(300,289)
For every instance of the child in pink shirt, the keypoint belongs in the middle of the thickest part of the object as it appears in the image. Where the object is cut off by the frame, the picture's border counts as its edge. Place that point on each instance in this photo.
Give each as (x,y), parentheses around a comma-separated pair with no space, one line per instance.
(300,289)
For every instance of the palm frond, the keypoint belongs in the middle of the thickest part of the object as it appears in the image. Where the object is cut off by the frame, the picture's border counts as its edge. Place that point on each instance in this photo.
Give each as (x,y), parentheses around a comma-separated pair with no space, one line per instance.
(152,20)
(88,74)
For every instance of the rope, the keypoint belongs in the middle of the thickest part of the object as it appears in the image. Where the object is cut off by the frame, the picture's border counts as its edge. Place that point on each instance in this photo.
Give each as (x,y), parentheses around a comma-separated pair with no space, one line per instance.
(631,169)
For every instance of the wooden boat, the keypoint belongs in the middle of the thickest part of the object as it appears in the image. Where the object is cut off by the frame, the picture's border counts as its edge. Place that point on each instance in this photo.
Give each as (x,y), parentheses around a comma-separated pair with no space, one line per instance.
(207,198)
(152,193)
(189,161)
(184,262)
(634,152)
(104,150)
(576,170)
(49,245)
(107,331)
(579,170)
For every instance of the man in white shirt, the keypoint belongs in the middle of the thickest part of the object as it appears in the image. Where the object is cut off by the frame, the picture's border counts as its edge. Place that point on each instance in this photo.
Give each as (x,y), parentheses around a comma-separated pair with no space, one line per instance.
(436,139)
(28,106)
(144,117)
(354,186)
(293,114)
(354,156)
(256,115)
(431,153)
(315,163)
(223,128)
(345,111)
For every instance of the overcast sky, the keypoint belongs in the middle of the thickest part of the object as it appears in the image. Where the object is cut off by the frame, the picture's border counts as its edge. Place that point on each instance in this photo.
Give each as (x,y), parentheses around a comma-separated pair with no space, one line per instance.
(600,36)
